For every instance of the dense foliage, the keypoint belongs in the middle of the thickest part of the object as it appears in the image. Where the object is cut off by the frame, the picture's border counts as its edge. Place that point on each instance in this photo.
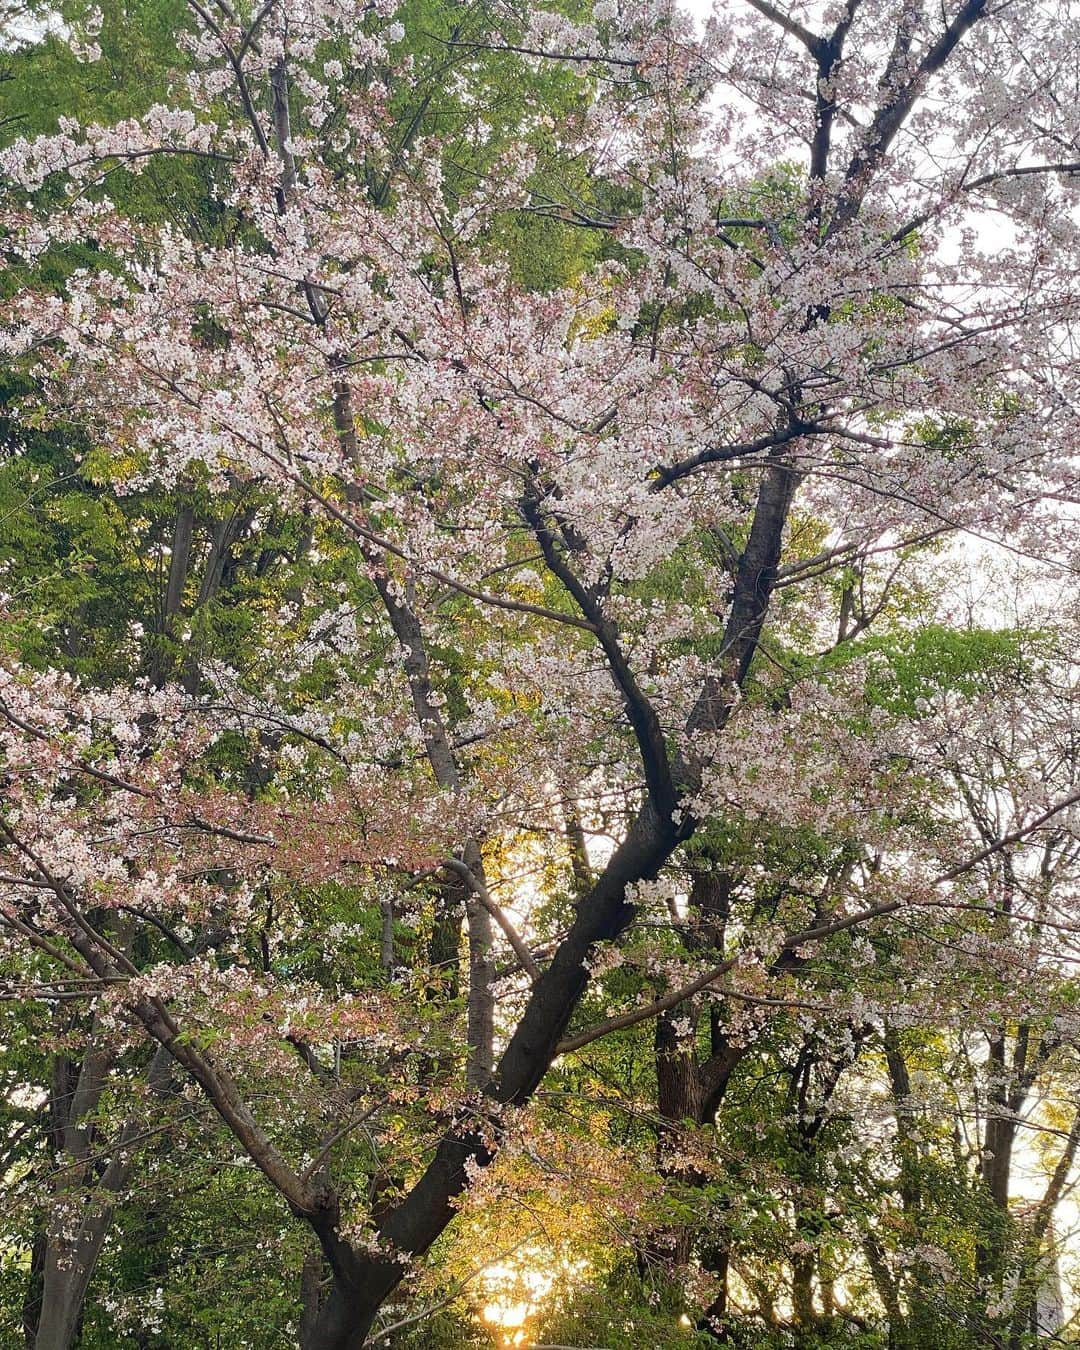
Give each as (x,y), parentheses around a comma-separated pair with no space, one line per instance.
(537,680)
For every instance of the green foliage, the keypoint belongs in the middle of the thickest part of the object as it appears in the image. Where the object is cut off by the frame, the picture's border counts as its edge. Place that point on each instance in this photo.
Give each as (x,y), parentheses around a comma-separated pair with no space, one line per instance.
(908,670)
(623,1309)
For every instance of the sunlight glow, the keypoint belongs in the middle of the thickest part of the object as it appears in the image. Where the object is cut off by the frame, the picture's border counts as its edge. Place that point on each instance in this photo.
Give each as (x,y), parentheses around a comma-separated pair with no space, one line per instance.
(515,1289)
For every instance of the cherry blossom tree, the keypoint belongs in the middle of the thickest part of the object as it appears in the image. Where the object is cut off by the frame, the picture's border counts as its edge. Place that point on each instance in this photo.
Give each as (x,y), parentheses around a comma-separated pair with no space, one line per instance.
(587,514)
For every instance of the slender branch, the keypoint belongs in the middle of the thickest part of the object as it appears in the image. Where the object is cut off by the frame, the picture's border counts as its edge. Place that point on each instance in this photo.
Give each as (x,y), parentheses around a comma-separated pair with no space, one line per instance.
(582,57)
(362,532)
(814,44)
(719,454)
(1014,837)
(337,1135)
(238,71)
(640,712)
(521,951)
(1066,168)
(455,1290)
(798,939)
(669,1000)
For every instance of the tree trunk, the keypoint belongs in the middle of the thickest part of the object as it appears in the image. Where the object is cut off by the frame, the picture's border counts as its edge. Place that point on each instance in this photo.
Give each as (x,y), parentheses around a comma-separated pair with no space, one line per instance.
(310,1279)
(802,1298)
(386,935)
(31,1308)
(481,1005)
(679,1102)
(1032,1276)
(85,1199)
(713,1321)
(69,1265)
(179,559)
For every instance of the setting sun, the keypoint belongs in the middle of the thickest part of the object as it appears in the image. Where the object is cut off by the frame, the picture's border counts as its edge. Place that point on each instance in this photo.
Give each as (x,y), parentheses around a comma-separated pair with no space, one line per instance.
(516,1289)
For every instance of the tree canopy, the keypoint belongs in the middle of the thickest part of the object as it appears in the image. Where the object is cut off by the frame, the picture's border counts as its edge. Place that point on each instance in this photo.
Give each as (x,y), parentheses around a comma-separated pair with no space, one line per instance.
(537,678)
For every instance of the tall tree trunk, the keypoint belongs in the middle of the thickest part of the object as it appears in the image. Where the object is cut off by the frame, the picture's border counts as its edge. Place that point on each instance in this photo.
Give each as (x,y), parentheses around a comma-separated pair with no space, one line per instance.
(481,1013)
(689,1089)
(802,1299)
(1032,1262)
(918,1319)
(85,1200)
(223,535)
(310,1279)
(31,1307)
(679,1103)
(714,1320)
(179,561)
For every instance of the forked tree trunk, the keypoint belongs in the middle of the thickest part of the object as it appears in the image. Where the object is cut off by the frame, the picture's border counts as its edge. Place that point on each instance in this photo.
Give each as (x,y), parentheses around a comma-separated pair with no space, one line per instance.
(361,1281)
